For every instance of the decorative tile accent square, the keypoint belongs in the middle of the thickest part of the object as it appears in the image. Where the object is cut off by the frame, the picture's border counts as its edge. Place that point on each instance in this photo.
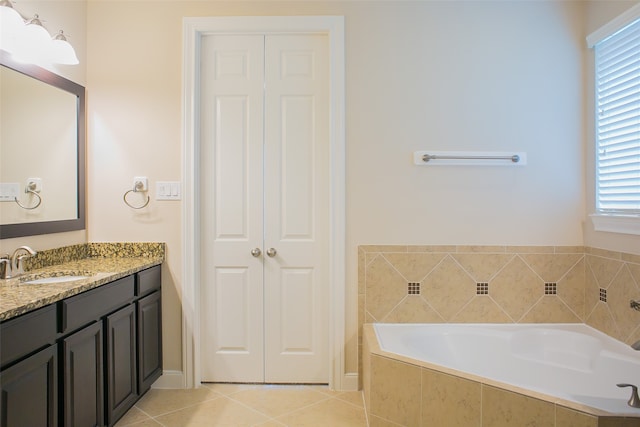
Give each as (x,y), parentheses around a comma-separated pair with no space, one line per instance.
(603,295)
(413,288)
(482,288)
(550,288)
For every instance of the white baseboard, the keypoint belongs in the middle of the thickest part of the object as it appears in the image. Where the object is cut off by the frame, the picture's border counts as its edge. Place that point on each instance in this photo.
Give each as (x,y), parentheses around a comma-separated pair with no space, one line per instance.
(170,379)
(350,382)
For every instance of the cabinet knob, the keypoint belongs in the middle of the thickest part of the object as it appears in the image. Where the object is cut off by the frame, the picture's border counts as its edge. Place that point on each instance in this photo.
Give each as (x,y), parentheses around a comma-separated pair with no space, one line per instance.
(272,252)
(256,252)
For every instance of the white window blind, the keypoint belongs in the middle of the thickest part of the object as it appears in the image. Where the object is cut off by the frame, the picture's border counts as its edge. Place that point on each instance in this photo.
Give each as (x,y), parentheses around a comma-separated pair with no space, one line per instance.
(617,73)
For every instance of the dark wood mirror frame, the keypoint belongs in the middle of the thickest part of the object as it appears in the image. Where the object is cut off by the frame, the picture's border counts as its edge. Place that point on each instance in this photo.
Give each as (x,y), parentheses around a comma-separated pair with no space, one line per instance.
(8,231)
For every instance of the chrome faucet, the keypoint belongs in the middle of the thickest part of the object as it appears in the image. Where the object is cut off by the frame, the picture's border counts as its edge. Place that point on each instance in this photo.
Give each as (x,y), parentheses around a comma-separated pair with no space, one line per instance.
(17,260)
(634,400)
(5,267)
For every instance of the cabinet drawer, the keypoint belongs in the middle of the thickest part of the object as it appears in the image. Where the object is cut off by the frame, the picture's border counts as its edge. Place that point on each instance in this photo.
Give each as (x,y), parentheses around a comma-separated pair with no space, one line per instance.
(148,280)
(91,305)
(27,333)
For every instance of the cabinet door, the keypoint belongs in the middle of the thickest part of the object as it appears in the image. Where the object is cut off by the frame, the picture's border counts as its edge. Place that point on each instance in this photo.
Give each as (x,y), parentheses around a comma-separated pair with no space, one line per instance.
(122,374)
(84,378)
(150,340)
(29,391)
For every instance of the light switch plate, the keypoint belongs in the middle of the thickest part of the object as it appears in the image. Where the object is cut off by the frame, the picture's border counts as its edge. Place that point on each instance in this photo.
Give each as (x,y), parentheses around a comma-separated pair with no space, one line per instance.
(168,190)
(9,191)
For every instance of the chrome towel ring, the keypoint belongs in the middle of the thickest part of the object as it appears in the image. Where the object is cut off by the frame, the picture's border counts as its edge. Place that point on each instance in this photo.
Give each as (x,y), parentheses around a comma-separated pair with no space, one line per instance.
(138,187)
(30,189)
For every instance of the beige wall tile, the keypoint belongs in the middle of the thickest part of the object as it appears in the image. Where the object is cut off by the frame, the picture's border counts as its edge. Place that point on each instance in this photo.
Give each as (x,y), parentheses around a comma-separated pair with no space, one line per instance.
(635,272)
(604,269)
(604,253)
(569,249)
(366,372)
(413,309)
(395,391)
(634,337)
(619,422)
(362,256)
(516,288)
(623,289)
(449,401)
(475,249)
(550,309)
(633,258)
(591,291)
(385,288)
(384,248)
(448,288)
(551,267)
(531,249)
(482,309)
(432,248)
(601,319)
(501,408)
(414,267)
(569,418)
(571,289)
(482,267)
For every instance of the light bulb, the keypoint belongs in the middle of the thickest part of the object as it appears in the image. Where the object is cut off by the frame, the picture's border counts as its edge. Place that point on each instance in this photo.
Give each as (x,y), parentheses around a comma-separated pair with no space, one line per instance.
(62,51)
(11,26)
(35,43)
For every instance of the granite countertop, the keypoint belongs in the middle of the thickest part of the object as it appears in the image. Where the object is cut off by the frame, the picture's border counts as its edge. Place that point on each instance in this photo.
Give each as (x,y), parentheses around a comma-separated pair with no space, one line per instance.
(102,262)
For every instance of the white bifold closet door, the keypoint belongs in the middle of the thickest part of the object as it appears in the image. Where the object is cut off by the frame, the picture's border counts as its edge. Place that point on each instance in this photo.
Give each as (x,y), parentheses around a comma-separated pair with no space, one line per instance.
(264,207)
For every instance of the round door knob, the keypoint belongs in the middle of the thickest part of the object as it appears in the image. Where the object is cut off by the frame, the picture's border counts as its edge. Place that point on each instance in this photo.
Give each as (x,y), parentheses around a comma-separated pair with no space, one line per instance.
(272,252)
(256,252)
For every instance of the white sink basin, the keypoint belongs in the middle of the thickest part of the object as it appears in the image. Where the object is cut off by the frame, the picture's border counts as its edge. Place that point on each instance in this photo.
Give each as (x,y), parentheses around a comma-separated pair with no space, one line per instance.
(55,279)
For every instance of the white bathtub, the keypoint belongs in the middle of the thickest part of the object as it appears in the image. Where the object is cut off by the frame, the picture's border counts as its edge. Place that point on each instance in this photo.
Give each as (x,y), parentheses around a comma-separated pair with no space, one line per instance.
(573,362)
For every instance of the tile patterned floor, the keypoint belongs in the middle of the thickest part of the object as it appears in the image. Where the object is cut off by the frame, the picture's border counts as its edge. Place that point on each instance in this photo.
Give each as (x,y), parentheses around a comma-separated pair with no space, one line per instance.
(247,405)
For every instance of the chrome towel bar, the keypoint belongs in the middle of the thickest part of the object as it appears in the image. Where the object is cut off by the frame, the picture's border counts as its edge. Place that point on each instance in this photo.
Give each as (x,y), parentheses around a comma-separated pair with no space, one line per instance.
(515,158)
(469,158)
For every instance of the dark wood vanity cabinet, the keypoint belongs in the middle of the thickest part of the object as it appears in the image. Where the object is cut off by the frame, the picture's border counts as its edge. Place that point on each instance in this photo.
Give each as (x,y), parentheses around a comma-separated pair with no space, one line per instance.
(85,360)
(83,370)
(122,372)
(30,391)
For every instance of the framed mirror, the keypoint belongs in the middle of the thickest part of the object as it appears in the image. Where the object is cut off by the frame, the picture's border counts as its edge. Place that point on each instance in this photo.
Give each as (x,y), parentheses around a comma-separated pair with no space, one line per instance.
(42,151)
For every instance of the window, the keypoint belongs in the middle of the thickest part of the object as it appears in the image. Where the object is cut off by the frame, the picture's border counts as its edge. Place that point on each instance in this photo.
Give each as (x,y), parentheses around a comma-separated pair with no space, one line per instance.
(617,120)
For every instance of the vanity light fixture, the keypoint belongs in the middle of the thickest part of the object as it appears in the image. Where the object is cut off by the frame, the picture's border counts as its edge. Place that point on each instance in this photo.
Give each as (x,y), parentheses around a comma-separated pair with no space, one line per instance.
(28,41)
(63,50)
(11,24)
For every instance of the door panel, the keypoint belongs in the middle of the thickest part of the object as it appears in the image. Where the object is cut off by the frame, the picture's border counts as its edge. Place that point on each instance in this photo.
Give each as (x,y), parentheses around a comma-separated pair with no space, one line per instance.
(296,208)
(265,151)
(231,206)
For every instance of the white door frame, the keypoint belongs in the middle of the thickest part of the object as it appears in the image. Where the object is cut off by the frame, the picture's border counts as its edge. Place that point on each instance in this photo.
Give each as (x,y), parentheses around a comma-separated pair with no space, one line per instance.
(193,30)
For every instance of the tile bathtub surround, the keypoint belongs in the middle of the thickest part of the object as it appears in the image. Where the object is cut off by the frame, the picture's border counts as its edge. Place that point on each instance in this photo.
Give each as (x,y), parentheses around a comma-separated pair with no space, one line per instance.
(500,284)
(402,392)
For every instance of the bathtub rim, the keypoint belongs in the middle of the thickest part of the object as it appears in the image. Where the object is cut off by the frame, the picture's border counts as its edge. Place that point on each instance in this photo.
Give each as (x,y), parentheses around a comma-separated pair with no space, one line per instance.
(371,338)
